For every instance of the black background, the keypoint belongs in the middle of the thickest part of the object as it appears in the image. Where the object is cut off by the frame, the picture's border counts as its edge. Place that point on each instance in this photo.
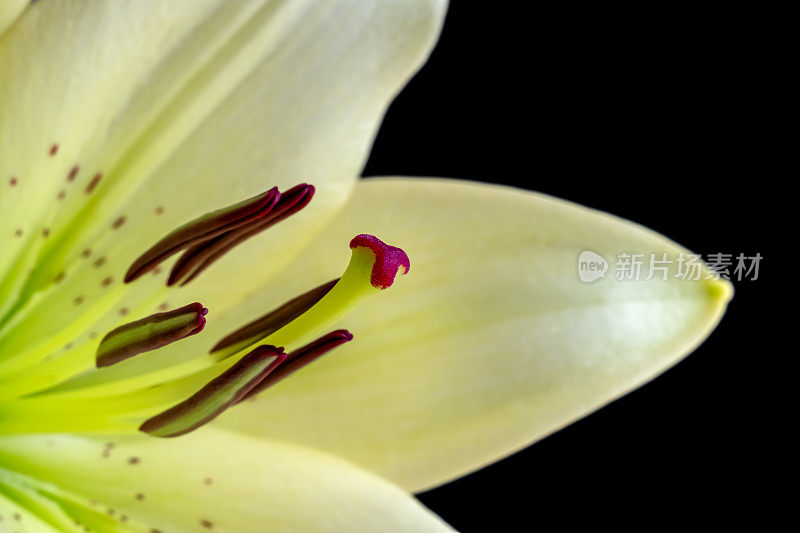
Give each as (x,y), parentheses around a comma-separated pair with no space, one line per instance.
(668,116)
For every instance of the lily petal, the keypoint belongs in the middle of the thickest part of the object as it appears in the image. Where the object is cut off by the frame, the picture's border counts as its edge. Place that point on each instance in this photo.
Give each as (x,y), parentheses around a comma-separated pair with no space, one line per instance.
(25,508)
(491,342)
(179,484)
(9,11)
(123,121)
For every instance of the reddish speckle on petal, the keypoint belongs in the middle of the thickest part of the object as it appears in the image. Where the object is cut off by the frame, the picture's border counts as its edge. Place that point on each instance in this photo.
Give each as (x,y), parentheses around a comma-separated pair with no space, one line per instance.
(388,260)
(53,150)
(93,184)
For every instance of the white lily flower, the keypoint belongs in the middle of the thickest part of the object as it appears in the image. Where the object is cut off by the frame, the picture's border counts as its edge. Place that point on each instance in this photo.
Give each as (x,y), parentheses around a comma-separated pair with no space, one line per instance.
(234,133)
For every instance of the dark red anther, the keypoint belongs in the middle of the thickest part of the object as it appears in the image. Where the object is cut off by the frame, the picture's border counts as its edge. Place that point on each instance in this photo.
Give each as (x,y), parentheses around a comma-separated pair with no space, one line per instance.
(300,358)
(150,333)
(220,393)
(203,229)
(202,255)
(277,318)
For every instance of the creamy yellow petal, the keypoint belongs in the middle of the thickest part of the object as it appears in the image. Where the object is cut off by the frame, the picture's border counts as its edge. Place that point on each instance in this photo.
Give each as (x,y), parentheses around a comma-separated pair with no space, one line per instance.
(10,10)
(214,480)
(179,108)
(489,343)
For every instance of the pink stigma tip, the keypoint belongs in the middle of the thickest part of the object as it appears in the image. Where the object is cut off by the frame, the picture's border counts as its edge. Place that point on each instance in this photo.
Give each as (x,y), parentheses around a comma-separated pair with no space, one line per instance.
(388,260)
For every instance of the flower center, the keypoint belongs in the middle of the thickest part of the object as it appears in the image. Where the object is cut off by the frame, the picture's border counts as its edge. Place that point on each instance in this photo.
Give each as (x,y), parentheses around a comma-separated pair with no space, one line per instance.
(65,392)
